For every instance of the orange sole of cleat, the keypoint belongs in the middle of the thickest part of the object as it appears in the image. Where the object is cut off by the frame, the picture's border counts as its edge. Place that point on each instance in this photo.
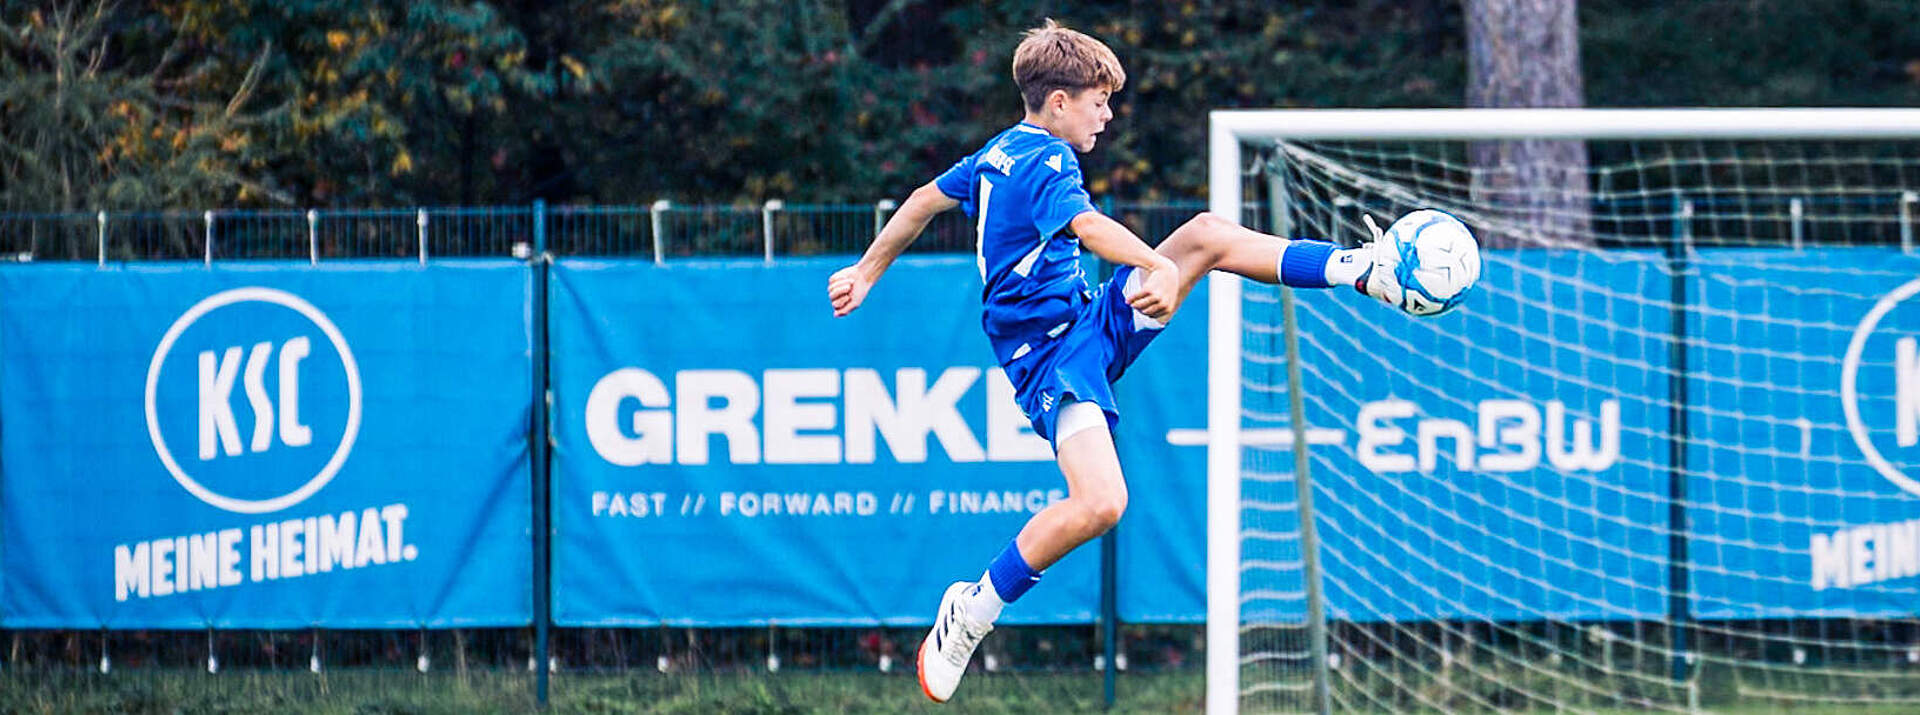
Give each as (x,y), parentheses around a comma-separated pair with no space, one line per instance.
(920,671)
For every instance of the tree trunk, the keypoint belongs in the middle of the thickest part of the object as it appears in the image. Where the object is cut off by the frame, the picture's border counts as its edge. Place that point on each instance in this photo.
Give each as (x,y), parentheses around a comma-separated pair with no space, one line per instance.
(1526,53)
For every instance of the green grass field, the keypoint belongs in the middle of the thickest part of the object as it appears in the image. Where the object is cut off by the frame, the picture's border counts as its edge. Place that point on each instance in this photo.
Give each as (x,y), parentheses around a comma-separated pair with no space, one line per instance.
(169,691)
(793,691)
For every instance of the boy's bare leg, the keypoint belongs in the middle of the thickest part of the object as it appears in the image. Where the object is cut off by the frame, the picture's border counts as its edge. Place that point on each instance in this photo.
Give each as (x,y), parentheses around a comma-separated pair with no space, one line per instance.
(1096,497)
(1207,242)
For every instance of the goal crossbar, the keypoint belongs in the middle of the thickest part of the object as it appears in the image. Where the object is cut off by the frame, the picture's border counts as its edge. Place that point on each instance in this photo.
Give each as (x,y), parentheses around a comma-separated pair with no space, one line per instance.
(1793,123)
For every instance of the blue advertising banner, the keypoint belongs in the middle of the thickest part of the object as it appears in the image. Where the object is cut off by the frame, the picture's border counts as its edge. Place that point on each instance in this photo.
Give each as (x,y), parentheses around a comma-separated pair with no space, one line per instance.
(265,445)
(1502,461)
(1804,467)
(729,453)
(1161,439)
(276,445)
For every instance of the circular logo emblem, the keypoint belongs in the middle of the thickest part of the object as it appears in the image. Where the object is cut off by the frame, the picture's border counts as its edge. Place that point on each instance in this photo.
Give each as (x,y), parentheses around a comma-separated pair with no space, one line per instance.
(1850,387)
(230,367)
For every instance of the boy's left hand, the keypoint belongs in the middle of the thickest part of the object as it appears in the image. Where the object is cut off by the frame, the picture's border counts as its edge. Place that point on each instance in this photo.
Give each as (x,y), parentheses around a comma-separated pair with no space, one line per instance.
(847,289)
(1159,293)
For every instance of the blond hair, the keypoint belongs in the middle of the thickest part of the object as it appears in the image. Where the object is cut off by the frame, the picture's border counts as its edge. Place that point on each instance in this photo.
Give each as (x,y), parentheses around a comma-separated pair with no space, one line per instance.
(1052,57)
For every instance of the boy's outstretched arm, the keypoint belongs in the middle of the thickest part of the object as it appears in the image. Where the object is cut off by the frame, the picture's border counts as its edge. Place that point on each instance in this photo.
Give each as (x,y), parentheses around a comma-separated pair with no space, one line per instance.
(848,287)
(1159,294)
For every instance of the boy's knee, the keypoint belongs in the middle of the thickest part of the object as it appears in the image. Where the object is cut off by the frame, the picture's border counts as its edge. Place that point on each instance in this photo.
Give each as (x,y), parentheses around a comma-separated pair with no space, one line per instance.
(1208,219)
(1205,223)
(1105,510)
(1200,232)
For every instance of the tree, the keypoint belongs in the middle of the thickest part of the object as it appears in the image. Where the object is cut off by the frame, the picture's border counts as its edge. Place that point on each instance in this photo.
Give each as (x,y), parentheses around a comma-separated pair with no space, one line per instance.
(1526,53)
(214,103)
(746,100)
(374,103)
(200,103)
(823,101)
(92,117)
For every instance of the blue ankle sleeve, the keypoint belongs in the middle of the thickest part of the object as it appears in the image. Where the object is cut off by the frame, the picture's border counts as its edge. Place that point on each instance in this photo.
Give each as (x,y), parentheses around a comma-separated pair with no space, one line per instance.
(1010,573)
(1304,265)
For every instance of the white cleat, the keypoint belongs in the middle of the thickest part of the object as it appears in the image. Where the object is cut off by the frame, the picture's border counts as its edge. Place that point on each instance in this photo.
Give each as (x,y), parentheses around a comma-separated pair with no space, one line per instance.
(944,654)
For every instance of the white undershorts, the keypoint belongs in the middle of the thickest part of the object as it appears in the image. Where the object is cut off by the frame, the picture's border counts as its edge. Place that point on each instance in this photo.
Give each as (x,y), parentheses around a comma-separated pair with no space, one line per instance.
(1076,416)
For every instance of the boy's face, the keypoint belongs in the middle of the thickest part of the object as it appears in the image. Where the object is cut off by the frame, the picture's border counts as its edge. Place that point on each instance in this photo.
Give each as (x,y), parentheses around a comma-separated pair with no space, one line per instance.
(1079,117)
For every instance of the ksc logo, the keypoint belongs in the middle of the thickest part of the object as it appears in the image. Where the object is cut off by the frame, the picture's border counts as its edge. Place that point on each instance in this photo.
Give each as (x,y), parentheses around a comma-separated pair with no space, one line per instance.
(1886,338)
(253,400)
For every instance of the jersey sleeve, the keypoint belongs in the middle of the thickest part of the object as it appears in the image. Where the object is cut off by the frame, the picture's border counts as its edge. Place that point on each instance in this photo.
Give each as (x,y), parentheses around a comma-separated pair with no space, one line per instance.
(1060,195)
(954,182)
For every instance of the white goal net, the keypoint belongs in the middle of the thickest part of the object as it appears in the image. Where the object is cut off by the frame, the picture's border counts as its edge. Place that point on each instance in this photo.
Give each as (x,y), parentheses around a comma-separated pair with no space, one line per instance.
(1665,457)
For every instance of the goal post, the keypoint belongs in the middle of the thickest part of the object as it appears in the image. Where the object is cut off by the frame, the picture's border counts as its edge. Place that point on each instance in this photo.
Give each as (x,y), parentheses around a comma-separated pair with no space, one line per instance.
(1512,501)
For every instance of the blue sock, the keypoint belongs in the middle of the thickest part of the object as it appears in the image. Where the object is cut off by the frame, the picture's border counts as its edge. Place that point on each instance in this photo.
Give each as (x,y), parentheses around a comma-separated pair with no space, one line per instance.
(1010,573)
(1304,264)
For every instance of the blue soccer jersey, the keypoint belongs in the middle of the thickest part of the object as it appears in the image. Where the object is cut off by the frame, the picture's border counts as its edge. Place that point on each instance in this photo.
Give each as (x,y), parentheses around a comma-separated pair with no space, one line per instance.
(1059,338)
(1022,190)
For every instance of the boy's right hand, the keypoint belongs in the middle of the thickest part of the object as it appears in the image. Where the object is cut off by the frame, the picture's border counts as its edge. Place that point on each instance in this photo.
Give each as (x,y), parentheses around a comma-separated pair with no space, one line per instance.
(1379,281)
(847,289)
(1159,293)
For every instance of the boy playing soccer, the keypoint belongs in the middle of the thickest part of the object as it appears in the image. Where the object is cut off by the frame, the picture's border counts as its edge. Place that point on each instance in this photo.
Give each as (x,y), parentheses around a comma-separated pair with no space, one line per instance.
(1061,340)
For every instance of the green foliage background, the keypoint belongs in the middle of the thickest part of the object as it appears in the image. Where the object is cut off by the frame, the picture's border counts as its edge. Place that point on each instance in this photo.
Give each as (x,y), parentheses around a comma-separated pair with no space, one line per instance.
(200,103)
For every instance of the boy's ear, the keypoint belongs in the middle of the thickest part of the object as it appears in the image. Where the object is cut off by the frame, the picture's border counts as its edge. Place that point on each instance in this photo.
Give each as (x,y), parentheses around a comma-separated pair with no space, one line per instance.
(1058,99)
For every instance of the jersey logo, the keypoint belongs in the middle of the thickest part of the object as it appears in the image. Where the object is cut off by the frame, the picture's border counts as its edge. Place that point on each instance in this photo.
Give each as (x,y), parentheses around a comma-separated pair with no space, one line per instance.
(999,160)
(1053,162)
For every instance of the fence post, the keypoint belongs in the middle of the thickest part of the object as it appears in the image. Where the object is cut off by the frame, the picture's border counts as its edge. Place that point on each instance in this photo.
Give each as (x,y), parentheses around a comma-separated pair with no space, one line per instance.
(208,218)
(1798,212)
(1109,613)
(766,224)
(101,218)
(881,209)
(542,536)
(1679,618)
(654,217)
(313,237)
(1907,199)
(773,647)
(1109,562)
(1683,226)
(422,663)
(421,219)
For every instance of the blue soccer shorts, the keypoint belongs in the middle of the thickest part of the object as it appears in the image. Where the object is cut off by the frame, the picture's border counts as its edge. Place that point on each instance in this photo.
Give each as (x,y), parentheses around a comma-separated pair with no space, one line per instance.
(1082,362)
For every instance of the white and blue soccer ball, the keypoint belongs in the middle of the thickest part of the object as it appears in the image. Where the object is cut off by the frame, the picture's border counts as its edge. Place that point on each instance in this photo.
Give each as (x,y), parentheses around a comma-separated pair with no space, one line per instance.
(1434,262)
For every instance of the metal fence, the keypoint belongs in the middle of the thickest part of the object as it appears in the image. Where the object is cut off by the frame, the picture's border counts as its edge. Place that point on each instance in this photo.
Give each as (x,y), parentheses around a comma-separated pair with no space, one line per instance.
(663,230)
(667,231)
